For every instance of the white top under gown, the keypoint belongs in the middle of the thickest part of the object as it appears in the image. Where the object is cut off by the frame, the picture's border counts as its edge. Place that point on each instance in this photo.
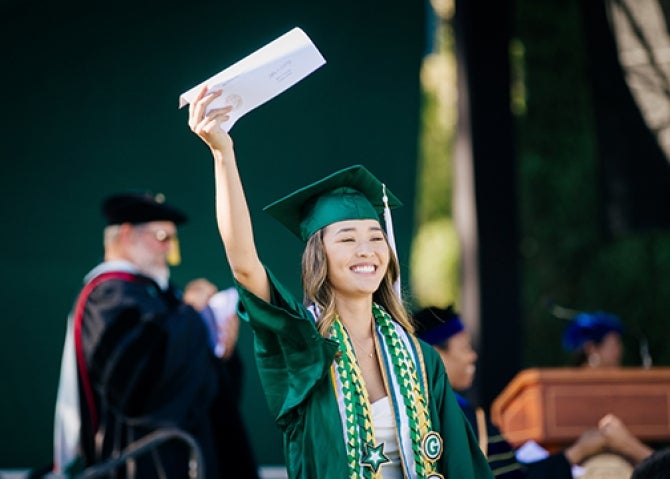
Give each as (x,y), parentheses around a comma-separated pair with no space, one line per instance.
(384,424)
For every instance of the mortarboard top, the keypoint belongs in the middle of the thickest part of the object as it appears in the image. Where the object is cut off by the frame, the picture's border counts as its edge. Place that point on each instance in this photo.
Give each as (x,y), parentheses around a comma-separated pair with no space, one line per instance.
(140,207)
(437,325)
(349,194)
(587,327)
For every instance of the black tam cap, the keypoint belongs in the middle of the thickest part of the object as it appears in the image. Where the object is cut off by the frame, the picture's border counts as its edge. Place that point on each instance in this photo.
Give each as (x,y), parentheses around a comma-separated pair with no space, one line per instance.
(140,208)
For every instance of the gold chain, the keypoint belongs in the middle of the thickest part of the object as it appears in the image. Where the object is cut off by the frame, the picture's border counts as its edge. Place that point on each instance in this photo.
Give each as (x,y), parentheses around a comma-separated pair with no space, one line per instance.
(370,354)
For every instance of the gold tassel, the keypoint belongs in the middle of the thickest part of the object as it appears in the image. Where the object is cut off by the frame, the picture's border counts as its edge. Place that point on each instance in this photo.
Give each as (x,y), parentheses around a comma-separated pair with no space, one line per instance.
(174,255)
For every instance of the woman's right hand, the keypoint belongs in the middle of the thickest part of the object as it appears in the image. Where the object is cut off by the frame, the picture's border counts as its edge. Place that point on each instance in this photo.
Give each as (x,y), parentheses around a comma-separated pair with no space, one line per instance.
(207,125)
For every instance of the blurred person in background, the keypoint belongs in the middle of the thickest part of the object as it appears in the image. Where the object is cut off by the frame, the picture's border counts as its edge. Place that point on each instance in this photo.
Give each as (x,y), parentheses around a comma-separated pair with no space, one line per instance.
(139,359)
(594,340)
(219,310)
(443,329)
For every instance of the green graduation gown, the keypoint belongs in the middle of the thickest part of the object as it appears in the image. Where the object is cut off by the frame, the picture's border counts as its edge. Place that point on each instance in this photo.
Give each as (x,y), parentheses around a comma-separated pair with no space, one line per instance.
(294,363)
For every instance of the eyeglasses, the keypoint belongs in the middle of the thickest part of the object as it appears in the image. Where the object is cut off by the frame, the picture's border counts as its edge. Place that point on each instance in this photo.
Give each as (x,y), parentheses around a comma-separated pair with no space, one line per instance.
(160,235)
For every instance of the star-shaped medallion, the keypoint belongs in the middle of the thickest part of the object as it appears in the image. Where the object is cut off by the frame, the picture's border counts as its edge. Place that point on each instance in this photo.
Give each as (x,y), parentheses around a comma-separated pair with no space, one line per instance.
(374,457)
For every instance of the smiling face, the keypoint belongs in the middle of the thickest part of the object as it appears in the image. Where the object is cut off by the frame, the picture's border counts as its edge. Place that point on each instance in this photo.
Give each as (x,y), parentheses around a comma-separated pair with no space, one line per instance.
(357,255)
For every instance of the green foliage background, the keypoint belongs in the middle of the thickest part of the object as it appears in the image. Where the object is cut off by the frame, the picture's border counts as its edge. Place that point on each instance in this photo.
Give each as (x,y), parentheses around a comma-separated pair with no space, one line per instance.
(434,262)
(566,256)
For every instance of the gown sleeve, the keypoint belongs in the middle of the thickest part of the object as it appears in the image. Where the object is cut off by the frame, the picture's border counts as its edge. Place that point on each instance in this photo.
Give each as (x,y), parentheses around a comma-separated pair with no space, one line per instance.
(291,356)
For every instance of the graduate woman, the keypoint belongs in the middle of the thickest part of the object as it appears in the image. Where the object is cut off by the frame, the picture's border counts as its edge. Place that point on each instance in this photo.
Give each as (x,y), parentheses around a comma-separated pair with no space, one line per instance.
(355,394)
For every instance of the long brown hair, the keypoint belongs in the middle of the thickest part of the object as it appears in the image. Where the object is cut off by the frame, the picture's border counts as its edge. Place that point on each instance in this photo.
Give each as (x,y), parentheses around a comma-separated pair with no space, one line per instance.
(318,291)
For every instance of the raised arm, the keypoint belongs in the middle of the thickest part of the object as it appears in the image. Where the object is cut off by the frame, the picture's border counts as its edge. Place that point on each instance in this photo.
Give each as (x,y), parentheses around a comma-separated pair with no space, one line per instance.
(232,212)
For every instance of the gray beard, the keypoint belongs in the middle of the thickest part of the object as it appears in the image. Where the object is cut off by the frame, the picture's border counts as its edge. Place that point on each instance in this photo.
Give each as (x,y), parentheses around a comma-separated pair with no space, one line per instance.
(160,275)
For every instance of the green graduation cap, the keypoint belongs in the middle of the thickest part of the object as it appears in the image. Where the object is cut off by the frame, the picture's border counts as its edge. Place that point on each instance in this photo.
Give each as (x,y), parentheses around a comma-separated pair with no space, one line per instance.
(349,194)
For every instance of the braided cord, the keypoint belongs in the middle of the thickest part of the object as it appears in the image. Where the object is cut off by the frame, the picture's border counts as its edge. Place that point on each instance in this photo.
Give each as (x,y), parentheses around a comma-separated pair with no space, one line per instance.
(358,421)
(414,398)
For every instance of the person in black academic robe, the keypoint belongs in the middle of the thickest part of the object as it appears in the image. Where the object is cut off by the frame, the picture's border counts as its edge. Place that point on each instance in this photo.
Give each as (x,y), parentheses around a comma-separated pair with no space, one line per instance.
(144,356)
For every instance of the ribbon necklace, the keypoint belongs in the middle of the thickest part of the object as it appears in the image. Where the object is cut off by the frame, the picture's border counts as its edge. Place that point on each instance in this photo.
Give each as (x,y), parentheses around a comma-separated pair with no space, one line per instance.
(364,457)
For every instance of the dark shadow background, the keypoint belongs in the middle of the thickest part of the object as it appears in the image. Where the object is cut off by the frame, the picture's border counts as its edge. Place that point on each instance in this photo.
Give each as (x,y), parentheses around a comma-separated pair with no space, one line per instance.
(91,92)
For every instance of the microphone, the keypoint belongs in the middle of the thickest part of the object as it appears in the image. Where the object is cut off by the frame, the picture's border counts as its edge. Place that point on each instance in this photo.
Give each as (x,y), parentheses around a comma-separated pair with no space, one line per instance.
(647,361)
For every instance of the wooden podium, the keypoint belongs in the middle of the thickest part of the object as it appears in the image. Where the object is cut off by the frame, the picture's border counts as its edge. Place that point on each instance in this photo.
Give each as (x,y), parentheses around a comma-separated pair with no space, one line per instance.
(553,406)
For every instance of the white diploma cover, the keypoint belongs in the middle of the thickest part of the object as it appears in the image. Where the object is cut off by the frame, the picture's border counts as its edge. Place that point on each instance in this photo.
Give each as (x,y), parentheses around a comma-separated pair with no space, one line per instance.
(261,76)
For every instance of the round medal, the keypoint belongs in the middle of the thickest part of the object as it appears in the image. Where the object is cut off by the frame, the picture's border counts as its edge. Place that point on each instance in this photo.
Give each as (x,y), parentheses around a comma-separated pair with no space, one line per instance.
(431,446)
